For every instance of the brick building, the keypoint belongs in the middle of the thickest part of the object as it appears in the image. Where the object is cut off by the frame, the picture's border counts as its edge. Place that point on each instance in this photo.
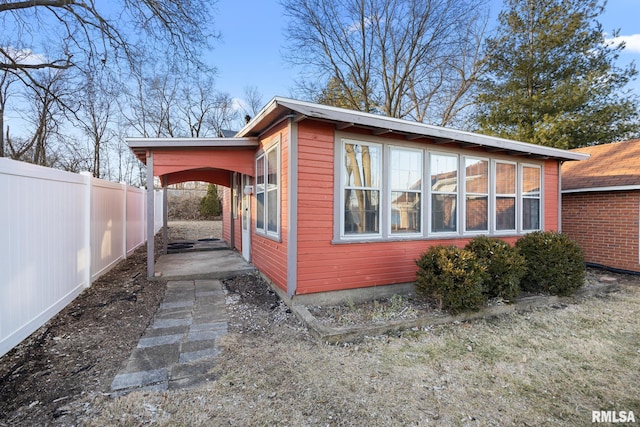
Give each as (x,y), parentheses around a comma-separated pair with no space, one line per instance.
(601,204)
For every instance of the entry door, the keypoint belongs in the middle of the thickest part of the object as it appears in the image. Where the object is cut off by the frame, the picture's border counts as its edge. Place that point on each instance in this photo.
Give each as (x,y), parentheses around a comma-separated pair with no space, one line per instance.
(246,218)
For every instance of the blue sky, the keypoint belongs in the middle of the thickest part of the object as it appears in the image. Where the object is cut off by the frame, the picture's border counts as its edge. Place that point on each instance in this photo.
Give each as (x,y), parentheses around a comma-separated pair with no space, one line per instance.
(252,41)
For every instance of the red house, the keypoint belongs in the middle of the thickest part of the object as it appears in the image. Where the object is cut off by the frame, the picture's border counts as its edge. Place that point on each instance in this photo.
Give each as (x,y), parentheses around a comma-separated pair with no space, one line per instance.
(325,199)
(601,204)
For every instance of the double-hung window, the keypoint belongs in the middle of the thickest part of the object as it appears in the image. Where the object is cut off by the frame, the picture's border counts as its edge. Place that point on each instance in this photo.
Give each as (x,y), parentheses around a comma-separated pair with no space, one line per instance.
(362,169)
(444,192)
(406,190)
(505,196)
(531,184)
(268,192)
(476,194)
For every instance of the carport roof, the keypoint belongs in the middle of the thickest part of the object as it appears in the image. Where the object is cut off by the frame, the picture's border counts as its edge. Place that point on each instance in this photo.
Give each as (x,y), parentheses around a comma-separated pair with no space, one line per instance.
(344,119)
(140,146)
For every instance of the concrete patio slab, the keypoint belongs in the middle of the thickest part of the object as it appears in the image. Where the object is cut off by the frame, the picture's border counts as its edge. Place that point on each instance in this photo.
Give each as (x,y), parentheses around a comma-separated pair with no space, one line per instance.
(218,264)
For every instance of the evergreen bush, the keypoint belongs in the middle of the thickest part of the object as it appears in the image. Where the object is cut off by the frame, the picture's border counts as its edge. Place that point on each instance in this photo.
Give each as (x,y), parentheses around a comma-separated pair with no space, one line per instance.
(555,264)
(503,264)
(210,205)
(453,277)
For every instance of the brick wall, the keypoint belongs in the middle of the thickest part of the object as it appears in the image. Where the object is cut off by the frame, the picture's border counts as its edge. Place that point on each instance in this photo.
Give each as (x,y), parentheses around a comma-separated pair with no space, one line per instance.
(605,225)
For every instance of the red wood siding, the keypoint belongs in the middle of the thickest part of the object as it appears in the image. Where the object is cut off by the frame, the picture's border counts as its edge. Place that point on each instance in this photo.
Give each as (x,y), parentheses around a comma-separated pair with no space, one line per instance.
(605,225)
(324,266)
(551,195)
(226,215)
(268,255)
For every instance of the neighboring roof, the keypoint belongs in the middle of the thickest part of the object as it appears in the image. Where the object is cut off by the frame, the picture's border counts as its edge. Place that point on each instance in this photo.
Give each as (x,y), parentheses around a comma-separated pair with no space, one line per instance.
(614,166)
(344,119)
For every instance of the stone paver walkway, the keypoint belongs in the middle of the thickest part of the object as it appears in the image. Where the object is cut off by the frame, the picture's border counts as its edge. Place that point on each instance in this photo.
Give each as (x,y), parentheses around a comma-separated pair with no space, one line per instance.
(181,345)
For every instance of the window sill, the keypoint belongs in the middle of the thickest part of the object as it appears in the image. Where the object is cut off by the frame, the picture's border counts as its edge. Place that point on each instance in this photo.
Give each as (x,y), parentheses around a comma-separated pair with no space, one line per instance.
(274,237)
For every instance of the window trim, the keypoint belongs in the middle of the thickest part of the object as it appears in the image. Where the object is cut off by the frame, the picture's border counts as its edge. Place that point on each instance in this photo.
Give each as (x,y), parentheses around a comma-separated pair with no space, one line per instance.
(390,190)
(341,185)
(429,231)
(264,154)
(464,229)
(522,197)
(385,234)
(516,186)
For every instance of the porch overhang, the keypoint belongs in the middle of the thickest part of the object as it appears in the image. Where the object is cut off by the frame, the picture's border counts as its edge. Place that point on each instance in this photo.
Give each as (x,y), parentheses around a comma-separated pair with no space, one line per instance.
(176,160)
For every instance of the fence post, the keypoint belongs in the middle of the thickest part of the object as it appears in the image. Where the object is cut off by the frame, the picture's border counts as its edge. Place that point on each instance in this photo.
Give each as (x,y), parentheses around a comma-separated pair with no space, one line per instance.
(124,220)
(87,227)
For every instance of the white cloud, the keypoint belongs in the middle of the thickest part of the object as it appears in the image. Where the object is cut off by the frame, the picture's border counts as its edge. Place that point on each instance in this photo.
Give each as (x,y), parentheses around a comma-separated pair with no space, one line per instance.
(632,42)
(25,56)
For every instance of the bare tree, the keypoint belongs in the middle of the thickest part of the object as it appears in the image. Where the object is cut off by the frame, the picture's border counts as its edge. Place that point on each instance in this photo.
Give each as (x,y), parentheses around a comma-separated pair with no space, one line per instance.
(6,79)
(45,114)
(253,100)
(87,34)
(401,58)
(94,116)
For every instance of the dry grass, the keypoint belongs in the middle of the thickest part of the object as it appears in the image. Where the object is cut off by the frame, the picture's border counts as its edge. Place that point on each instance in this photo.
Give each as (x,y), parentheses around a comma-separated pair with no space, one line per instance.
(545,367)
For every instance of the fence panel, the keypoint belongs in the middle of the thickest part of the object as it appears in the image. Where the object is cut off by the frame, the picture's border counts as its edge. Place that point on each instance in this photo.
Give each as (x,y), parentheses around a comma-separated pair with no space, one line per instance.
(136,219)
(59,232)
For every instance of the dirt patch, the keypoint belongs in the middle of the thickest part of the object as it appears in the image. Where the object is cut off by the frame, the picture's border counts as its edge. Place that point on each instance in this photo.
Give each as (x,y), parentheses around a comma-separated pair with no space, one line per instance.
(400,308)
(81,349)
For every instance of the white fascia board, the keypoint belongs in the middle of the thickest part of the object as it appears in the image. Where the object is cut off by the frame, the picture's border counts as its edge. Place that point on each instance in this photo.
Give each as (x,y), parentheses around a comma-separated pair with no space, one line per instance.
(603,189)
(191,142)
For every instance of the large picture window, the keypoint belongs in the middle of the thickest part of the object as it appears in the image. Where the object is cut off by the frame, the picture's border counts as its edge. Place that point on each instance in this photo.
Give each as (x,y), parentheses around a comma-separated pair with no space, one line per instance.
(267,191)
(505,196)
(476,194)
(444,192)
(531,184)
(406,190)
(362,169)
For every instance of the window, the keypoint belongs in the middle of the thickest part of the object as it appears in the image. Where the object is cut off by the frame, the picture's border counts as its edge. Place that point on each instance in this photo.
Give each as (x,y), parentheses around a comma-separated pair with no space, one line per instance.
(444,192)
(531,198)
(406,190)
(267,191)
(260,193)
(361,183)
(476,194)
(505,196)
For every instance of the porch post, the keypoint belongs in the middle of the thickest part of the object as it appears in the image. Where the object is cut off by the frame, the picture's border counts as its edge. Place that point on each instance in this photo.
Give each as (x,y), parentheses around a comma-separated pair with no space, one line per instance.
(232,236)
(150,216)
(165,215)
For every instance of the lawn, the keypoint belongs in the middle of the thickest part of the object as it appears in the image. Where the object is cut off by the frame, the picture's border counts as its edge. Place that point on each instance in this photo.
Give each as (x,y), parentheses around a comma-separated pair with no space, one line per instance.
(549,366)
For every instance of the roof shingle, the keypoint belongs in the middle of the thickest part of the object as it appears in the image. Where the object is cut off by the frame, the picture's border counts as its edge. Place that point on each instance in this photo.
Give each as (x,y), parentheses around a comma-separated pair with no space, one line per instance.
(610,165)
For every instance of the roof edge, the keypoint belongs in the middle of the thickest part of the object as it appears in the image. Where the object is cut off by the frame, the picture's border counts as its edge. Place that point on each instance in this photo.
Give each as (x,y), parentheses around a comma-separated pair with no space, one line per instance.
(330,113)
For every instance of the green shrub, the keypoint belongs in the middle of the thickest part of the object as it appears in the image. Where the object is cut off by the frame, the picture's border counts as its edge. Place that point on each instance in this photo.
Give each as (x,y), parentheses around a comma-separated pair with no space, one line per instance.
(451,276)
(504,266)
(210,205)
(555,264)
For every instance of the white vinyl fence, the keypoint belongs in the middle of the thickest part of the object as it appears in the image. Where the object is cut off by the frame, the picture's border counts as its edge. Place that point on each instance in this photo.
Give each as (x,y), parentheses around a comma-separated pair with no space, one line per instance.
(59,231)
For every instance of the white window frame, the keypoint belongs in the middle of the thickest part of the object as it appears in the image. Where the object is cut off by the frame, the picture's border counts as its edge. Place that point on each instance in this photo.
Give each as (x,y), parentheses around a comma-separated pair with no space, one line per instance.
(385,147)
(342,187)
(429,215)
(496,195)
(391,189)
(265,155)
(466,193)
(522,197)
